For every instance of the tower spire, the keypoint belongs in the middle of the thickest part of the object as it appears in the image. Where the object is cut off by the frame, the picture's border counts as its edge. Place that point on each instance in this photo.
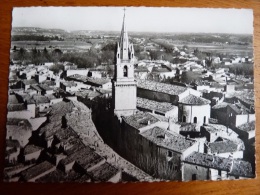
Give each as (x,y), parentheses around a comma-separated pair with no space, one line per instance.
(124,43)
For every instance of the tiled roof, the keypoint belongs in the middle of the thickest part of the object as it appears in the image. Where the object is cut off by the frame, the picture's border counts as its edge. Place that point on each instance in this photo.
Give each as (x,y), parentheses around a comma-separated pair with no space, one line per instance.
(239,168)
(161,87)
(36,170)
(159,70)
(18,122)
(69,84)
(85,157)
(140,119)
(166,139)
(161,107)
(31,149)
(60,176)
(194,100)
(45,87)
(223,146)
(247,126)
(40,99)
(103,172)
(36,87)
(98,81)
(15,107)
(29,82)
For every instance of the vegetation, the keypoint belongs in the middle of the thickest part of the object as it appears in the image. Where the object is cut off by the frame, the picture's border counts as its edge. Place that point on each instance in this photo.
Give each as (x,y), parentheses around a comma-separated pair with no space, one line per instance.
(35,38)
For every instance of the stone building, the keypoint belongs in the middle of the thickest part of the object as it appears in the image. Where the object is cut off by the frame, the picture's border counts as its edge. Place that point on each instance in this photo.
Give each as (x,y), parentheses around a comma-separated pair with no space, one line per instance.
(124,84)
(193,109)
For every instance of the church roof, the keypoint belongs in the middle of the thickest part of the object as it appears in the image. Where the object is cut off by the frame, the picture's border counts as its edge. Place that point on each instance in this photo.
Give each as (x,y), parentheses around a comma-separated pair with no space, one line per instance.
(194,100)
(161,87)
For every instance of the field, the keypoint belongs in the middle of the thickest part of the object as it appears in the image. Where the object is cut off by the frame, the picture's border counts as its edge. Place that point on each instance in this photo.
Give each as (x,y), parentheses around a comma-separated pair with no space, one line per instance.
(63,45)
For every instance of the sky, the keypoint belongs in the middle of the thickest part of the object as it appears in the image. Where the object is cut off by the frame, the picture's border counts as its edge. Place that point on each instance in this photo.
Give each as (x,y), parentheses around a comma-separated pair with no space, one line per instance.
(139,19)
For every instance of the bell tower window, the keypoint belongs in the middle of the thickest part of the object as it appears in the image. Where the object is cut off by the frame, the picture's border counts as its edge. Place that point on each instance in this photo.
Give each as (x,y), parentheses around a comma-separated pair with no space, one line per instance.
(125,71)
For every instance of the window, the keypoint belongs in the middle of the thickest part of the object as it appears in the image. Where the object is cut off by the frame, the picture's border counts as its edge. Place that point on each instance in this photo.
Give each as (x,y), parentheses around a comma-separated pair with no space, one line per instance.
(184,119)
(195,120)
(169,153)
(194,176)
(204,120)
(125,71)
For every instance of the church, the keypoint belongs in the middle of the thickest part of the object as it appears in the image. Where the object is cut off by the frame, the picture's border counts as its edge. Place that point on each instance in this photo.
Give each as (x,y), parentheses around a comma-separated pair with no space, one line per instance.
(124,85)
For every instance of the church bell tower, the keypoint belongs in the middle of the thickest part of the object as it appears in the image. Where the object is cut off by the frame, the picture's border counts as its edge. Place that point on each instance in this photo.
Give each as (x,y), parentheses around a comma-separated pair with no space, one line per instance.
(124,85)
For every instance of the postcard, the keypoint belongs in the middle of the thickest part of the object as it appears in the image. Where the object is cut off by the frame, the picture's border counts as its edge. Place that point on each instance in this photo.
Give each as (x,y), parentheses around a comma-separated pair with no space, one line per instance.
(128,94)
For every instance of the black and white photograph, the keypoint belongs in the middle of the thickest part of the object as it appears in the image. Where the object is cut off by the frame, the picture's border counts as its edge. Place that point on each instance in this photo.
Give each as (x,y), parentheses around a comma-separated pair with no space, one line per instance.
(130,94)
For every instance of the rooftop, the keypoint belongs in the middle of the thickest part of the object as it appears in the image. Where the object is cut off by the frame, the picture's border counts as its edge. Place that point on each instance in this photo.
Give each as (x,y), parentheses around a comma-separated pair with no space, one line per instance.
(40,99)
(161,87)
(98,81)
(161,107)
(15,107)
(194,100)
(36,87)
(247,126)
(85,157)
(60,176)
(166,139)
(103,172)
(36,170)
(239,168)
(29,82)
(140,119)
(69,84)
(31,149)
(12,99)
(223,146)
(45,87)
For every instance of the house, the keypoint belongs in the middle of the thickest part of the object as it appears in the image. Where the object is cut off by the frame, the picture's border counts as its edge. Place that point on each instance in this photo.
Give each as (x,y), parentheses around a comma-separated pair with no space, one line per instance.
(31,153)
(12,151)
(246,131)
(42,102)
(25,84)
(201,166)
(18,129)
(146,137)
(103,83)
(226,148)
(194,109)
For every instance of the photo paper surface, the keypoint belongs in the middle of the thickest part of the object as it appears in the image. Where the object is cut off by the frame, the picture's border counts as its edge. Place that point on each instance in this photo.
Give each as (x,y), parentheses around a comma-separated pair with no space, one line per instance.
(114,94)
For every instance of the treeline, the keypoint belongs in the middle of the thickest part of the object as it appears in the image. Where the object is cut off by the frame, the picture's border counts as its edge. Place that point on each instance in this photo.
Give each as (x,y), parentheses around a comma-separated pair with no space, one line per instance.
(87,59)
(210,38)
(35,38)
(245,69)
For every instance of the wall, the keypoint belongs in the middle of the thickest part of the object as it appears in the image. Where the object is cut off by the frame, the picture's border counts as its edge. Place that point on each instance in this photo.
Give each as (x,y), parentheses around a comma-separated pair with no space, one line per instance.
(147,155)
(32,156)
(190,112)
(245,118)
(124,98)
(157,96)
(83,72)
(188,170)
(24,114)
